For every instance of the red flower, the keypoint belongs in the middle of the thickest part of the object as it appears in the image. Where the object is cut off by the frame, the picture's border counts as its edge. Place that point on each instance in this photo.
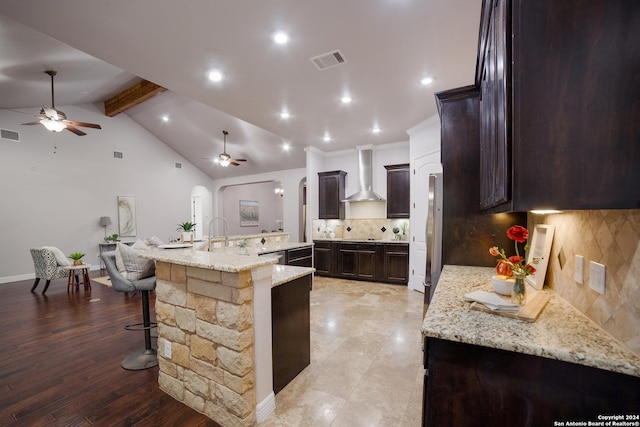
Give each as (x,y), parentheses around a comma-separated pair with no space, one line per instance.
(518,233)
(530,269)
(503,268)
(515,259)
(494,251)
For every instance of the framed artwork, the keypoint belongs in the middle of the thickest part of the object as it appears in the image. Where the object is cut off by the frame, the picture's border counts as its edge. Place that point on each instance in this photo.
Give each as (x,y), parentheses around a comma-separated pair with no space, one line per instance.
(126,216)
(249,213)
(539,252)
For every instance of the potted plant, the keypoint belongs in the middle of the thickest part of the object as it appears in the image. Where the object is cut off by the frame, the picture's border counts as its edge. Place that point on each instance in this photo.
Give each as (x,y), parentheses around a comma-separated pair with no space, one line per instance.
(405,225)
(113,238)
(77,258)
(243,244)
(396,232)
(187,229)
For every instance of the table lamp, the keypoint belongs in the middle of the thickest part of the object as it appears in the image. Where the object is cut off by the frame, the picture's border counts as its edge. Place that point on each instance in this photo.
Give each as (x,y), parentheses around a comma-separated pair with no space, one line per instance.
(104,221)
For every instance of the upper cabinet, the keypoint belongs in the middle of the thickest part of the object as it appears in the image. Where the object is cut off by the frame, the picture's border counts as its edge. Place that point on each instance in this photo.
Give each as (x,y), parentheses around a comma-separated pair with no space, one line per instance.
(559,112)
(398,194)
(331,194)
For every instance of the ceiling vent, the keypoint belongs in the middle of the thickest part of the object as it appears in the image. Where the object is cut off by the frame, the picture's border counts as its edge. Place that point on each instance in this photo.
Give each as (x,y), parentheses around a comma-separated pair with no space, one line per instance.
(118,155)
(178,165)
(328,60)
(11,135)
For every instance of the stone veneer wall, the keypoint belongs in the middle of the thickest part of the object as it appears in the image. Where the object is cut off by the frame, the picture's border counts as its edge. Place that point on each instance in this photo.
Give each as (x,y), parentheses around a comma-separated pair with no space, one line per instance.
(207,315)
(360,228)
(612,238)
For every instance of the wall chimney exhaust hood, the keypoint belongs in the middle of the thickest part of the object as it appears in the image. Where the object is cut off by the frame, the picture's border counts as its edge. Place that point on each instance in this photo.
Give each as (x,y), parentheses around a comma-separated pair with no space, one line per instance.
(365,191)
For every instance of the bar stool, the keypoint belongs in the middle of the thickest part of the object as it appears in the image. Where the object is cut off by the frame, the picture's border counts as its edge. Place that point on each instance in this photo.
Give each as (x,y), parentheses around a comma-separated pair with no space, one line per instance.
(141,359)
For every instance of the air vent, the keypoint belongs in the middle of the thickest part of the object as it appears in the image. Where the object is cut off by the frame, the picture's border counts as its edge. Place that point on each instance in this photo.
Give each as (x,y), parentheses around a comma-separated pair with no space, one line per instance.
(118,155)
(328,60)
(11,135)
(178,165)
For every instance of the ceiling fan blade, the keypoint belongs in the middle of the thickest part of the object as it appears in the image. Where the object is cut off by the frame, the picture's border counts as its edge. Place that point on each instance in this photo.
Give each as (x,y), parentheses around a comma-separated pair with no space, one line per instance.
(234,163)
(37,122)
(239,160)
(75,130)
(83,124)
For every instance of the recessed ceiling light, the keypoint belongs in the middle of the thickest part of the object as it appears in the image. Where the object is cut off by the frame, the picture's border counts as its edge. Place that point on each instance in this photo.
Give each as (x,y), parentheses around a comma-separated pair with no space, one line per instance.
(281,37)
(345,99)
(286,146)
(426,80)
(165,118)
(326,137)
(215,76)
(285,115)
(376,129)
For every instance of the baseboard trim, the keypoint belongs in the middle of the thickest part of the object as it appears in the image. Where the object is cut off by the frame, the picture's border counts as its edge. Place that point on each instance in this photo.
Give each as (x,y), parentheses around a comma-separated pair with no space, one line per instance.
(266,407)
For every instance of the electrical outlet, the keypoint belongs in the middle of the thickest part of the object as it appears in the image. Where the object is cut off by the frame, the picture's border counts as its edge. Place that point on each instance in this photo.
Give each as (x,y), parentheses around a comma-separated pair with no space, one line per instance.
(597,276)
(167,349)
(578,273)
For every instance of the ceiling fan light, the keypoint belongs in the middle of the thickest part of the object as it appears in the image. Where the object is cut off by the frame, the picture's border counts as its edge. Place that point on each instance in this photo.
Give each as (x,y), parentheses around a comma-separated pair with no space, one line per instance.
(52,125)
(224,162)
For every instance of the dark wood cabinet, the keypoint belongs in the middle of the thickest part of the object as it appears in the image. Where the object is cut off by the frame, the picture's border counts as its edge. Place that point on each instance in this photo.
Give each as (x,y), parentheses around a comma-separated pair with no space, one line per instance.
(357,261)
(396,263)
(398,191)
(463,223)
(290,325)
(300,257)
(558,105)
(380,262)
(324,258)
(331,194)
(469,385)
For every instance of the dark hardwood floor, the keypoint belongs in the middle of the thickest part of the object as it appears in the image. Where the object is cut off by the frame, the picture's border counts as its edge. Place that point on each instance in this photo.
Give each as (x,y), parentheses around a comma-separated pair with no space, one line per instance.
(60,359)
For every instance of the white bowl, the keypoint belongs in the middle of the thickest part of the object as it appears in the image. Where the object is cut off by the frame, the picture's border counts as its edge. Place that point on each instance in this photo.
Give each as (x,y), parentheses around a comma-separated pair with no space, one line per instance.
(502,285)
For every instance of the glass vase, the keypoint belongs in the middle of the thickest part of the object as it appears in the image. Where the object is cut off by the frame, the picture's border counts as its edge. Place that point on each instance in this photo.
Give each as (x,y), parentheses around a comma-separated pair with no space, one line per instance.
(518,292)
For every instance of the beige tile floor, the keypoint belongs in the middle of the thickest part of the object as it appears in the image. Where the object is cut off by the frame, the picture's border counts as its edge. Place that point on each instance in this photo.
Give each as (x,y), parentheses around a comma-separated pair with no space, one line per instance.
(366,355)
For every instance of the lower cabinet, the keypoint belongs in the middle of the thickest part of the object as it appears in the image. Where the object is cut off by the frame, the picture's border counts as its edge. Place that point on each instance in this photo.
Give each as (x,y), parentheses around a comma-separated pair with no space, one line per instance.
(469,385)
(380,262)
(290,326)
(301,257)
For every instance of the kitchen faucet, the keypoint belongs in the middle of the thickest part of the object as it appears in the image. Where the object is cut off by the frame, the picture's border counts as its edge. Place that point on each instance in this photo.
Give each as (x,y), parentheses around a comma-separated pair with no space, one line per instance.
(225,230)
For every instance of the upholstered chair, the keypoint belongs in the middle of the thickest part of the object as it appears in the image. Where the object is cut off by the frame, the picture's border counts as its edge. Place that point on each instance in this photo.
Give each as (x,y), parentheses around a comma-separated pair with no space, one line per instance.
(47,267)
(141,359)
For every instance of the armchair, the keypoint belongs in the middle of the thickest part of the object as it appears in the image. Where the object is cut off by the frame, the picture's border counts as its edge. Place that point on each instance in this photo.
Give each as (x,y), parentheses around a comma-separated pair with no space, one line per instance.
(46,267)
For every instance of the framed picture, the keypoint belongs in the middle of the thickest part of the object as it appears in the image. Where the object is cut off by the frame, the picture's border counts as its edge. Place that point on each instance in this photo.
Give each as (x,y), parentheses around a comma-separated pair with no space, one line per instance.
(539,252)
(249,213)
(126,216)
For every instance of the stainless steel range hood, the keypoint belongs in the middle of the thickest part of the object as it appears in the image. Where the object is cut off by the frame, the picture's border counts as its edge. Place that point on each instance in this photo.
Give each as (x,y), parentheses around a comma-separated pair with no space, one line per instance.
(365,191)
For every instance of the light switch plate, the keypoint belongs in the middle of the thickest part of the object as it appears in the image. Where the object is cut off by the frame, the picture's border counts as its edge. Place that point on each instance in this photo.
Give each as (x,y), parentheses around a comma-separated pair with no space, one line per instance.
(597,276)
(167,349)
(578,273)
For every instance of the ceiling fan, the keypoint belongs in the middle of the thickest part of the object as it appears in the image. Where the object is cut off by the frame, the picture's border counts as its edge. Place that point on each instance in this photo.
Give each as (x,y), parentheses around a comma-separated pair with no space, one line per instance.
(55,120)
(225,159)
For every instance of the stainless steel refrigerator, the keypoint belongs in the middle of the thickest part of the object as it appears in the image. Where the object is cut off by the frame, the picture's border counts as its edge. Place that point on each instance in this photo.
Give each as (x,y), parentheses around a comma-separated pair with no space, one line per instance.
(433,237)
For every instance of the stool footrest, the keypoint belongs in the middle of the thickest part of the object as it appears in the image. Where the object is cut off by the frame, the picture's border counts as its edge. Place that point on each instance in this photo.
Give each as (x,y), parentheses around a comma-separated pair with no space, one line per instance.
(142,359)
(140,326)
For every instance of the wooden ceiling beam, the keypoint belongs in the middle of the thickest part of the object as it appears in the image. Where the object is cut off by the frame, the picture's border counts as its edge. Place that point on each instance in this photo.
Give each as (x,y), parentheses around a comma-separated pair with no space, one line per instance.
(131,97)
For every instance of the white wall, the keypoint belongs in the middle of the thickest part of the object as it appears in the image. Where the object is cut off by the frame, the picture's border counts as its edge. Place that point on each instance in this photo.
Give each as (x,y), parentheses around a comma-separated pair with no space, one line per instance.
(291,203)
(55,186)
(270,206)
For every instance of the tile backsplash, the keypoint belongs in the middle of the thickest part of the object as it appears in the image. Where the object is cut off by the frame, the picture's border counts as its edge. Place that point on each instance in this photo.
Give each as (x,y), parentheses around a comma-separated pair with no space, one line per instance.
(377,229)
(609,237)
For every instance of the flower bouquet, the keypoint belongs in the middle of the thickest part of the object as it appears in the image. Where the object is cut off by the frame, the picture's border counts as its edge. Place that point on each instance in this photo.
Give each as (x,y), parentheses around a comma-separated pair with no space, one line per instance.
(514,266)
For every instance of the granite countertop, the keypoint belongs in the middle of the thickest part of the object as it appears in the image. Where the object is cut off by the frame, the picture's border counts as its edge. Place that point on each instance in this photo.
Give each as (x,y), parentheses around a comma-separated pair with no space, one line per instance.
(561,332)
(224,259)
(286,273)
(349,240)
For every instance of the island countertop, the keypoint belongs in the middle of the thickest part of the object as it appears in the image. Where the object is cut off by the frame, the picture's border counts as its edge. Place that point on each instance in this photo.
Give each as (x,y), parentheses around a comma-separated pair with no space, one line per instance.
(287,273)
(223,259)
(561,332)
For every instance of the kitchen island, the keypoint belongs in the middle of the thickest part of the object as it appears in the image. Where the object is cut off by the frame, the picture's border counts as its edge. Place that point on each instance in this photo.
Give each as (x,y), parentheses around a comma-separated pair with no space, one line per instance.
(485,369)
(214,330)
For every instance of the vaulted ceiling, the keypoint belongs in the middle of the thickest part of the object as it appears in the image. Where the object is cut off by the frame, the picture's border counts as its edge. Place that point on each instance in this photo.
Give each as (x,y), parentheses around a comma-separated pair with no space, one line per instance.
(101,48)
